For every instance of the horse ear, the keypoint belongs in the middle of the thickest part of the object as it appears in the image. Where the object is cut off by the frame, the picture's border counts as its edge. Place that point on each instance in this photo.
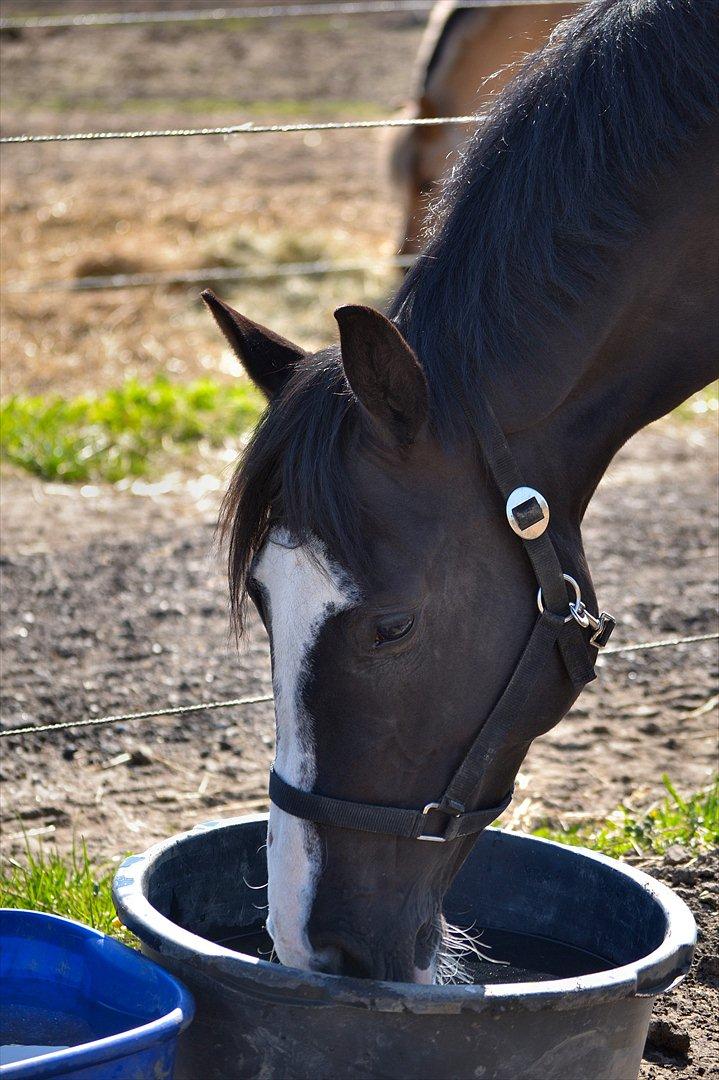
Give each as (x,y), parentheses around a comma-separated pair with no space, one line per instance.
(383,372)
(267,358)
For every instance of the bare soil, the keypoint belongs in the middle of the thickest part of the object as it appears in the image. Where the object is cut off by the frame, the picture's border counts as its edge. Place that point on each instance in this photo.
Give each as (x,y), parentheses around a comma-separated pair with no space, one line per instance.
(75,210)
(114,601)
(684,1033)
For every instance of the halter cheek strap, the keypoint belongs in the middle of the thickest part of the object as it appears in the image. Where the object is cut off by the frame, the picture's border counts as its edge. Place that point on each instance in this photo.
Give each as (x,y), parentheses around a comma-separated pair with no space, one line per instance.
(561,624)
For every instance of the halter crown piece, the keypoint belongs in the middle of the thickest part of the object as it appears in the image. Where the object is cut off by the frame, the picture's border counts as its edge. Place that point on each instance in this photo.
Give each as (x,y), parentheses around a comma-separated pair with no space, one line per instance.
(562,624)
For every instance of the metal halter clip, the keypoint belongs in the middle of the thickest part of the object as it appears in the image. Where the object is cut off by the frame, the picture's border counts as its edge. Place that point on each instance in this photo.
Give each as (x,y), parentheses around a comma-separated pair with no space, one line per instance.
(527,512)
(602,625)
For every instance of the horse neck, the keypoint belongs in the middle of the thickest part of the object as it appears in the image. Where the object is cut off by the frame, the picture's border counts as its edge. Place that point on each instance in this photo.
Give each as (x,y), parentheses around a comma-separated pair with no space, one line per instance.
(649,339)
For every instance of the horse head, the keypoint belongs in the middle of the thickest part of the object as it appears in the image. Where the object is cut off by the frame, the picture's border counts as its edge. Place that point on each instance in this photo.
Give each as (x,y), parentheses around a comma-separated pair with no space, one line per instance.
(397,603)
(379,518)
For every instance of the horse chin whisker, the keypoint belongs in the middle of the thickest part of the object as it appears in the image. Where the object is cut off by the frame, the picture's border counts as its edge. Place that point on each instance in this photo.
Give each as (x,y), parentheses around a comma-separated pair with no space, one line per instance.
(456,945)
(254,887)
(268,955)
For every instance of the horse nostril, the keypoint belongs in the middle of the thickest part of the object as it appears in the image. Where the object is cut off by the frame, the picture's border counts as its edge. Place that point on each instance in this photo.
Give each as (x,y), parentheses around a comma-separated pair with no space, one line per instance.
(342,960)
(328,961)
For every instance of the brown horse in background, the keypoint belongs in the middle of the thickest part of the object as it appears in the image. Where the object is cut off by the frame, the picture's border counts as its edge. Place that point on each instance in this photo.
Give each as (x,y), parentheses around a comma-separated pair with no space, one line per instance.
(465,56)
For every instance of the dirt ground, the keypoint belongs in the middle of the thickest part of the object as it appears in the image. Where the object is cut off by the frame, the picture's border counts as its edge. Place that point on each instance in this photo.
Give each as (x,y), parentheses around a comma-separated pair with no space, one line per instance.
(684,1032)
(184,204)
(114,600)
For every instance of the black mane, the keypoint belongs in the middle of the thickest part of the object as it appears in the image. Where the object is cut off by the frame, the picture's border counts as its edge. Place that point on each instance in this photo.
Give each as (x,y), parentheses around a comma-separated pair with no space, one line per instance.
(546,193)
(547,188)
(293,471)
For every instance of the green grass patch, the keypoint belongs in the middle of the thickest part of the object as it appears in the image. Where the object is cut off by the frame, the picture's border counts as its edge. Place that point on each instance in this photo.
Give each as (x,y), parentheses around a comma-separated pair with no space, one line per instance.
(312,23)
(703,404)
(266,109)
(124,431)
(63,885)
(692,822)
(302,22)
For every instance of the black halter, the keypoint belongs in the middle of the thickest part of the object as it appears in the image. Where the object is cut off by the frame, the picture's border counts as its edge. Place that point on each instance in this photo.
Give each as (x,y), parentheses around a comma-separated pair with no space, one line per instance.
(557,626)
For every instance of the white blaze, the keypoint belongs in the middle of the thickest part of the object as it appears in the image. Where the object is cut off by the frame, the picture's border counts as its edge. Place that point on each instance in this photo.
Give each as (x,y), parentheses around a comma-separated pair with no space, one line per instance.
(303,590)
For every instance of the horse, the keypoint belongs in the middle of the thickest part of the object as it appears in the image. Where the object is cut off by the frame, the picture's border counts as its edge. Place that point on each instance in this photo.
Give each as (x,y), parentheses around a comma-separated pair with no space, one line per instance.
(465,56)
(379,517)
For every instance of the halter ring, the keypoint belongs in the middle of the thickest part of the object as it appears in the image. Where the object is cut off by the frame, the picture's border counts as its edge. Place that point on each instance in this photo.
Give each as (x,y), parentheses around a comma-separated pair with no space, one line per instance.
(577,611)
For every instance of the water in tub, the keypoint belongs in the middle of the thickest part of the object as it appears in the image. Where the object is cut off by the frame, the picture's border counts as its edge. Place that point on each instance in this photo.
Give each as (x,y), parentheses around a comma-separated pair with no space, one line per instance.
(17,1052)
(39,1017)
(503,956)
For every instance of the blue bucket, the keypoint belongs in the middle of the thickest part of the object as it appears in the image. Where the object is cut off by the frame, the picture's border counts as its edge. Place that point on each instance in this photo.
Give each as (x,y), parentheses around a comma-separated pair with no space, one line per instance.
(82,1005)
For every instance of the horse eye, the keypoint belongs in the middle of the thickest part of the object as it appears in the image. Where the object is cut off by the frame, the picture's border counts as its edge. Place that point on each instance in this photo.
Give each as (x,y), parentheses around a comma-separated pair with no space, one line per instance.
(392,628)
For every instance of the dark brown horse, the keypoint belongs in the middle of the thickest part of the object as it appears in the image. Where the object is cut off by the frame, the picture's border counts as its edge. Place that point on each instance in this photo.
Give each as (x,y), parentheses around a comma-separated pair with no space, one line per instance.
(464,58)
(573,285)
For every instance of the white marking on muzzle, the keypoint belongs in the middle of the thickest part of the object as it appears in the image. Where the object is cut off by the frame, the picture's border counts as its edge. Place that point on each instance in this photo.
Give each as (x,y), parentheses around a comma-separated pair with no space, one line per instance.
(302,590)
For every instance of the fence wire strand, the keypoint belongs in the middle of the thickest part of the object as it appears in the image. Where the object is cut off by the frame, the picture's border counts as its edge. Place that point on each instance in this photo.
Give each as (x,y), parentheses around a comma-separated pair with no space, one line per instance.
(100,721)
(180,710)
(318,268)
(248,128)
(259,11)
(666,643)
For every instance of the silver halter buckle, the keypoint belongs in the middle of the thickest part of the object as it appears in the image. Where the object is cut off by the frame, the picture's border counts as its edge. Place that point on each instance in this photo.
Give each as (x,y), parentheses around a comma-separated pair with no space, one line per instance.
(448,832)
(527,512)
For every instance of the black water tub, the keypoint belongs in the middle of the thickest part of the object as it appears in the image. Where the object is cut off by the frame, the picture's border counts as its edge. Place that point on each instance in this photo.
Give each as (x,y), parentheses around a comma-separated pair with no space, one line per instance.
(590,944)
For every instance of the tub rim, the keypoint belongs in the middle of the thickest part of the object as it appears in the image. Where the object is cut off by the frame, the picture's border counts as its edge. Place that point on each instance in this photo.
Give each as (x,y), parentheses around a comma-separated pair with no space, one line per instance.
(657,972)
(132,1040)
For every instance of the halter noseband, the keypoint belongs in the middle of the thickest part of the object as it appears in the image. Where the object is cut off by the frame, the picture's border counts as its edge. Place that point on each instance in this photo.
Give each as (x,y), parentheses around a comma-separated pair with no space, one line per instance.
(556,626)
